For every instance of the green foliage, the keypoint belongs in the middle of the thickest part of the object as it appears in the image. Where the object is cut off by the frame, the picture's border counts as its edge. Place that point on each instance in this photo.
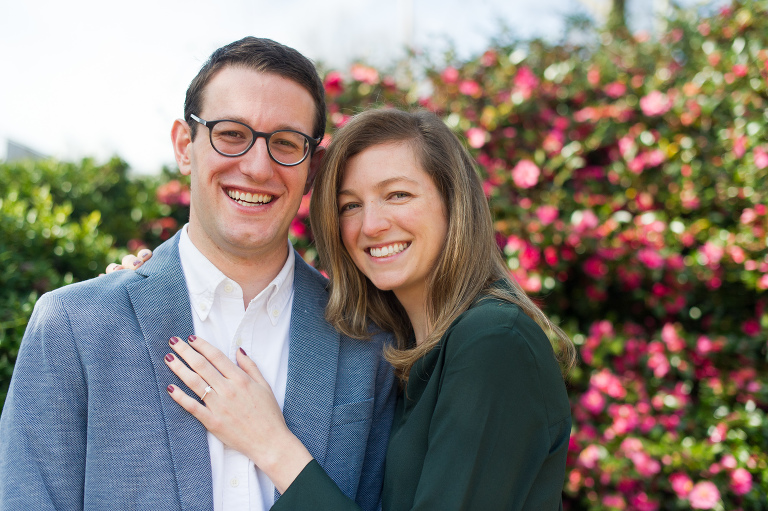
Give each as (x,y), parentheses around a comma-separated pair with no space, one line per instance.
(42,247)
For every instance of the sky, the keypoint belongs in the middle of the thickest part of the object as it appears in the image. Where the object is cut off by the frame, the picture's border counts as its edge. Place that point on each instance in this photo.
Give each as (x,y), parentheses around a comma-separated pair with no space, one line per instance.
(86,78)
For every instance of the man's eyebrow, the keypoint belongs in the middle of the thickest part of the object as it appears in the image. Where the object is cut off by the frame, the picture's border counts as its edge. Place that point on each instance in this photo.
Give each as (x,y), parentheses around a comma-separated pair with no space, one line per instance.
(245,121)
(383,184)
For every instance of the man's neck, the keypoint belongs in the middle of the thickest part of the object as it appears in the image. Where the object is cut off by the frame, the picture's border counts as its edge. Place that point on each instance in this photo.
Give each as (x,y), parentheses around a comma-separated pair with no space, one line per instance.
(252,271)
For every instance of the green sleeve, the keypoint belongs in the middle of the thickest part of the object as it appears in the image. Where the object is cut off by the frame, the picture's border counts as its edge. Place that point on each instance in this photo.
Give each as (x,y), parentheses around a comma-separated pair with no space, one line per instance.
(499,434)
(314,490)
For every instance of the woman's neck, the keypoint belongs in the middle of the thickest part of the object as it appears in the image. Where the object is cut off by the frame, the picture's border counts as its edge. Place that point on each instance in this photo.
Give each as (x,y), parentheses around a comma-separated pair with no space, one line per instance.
(415,305)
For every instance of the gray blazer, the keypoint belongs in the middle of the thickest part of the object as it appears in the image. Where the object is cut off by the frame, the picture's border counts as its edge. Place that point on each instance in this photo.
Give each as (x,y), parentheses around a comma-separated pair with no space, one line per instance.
(88,423)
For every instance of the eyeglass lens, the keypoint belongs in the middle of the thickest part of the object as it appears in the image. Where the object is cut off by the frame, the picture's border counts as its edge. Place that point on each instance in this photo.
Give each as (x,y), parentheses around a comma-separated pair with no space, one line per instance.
(232,138)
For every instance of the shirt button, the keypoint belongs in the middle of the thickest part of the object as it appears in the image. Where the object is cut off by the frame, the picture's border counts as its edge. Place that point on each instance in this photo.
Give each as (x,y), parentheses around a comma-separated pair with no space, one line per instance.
(203,307)
(234,483)
(239,341)
(275,313)
(228,288)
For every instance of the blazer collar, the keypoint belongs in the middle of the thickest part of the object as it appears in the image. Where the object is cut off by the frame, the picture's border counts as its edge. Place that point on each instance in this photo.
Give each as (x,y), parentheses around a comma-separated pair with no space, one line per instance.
(162,307)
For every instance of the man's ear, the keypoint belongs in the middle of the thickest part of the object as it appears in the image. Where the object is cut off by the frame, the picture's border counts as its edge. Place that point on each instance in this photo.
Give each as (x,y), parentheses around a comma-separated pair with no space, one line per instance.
(181,137)
(314,165)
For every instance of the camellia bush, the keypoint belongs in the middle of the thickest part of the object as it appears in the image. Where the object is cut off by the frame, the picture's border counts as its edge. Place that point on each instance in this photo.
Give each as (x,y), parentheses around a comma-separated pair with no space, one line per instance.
(628,179)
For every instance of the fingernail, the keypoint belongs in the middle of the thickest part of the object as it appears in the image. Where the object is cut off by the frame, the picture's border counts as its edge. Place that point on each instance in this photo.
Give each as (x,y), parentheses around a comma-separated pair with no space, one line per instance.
(143,253)
(136,262)
(169,388)
(243,352)
(169,357)
(173,340)
(192,338)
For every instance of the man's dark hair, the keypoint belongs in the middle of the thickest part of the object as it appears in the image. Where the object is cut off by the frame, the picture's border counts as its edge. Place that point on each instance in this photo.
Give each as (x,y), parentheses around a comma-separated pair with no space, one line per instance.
(263,55)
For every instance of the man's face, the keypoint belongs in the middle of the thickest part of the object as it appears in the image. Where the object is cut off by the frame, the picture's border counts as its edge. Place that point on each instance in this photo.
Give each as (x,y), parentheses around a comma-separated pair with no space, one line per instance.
(242,207)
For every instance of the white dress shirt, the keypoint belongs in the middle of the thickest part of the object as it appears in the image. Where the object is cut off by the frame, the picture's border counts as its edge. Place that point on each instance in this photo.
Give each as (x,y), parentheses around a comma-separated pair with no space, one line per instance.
(262,330)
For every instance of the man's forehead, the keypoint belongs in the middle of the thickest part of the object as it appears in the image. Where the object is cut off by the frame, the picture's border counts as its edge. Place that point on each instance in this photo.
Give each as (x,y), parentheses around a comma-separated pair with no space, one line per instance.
(237,90)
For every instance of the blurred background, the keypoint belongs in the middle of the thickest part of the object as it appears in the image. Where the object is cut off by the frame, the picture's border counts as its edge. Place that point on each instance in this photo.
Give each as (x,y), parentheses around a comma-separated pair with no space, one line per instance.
(623,150)
(89,78)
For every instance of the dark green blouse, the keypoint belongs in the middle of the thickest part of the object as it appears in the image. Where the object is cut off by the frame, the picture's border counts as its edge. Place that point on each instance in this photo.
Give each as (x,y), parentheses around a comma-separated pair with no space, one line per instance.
(484,424)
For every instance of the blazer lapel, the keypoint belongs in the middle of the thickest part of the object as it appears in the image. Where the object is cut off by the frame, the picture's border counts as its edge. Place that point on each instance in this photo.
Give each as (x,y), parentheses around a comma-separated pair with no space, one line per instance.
(312,364)
(161,302)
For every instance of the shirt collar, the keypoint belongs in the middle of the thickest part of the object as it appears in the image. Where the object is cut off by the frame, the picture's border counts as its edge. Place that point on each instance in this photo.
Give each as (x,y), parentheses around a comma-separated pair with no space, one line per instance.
(205,280)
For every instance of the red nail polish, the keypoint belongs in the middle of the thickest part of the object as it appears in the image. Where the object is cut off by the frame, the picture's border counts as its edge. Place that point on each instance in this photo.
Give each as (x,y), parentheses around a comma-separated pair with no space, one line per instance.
(169,388)
(174,340)
(169,357)
(243,352)
(192,338)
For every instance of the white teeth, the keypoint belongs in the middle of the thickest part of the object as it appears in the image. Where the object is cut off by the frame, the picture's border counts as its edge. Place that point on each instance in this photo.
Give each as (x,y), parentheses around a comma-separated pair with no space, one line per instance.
(249,199)
(389,250)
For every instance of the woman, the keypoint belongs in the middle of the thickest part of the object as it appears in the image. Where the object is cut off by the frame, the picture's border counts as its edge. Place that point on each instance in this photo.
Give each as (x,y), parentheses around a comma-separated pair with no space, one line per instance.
(404,232)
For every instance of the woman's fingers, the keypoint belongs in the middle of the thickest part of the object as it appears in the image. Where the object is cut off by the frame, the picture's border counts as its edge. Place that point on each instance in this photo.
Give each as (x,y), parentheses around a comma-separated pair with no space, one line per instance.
(114,267)
(250,368)
(131,262)
(191,379)
(191,405)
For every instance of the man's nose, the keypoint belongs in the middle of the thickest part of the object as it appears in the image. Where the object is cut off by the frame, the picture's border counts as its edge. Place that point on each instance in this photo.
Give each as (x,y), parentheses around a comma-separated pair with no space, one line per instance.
(257,163)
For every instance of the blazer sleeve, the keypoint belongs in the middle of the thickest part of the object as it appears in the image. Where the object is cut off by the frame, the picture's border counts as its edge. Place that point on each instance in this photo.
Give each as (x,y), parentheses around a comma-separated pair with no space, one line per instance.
(499,433)
(44,420)
(314,490)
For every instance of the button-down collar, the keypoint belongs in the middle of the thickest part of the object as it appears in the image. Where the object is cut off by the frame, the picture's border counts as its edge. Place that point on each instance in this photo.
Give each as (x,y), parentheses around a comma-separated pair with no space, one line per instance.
(205,280)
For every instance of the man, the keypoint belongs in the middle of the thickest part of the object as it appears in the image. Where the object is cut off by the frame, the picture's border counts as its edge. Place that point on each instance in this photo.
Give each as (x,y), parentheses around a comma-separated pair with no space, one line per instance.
(88,423)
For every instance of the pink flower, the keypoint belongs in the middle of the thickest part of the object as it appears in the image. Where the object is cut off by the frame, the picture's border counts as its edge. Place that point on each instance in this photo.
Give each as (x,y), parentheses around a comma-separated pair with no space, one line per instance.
(608,383)
(584,220)
(681,484)
(529,257)
(525,174)
(650,259)
(450,75)
(741,481)
(593,401)
(595,268)
(645,465)
(655,103)
(641,502)
(671,338)
(718,434)
(748,215)
(365,74)
(761,158)
(470,88)
(547,214)
(590,456)
(615,89)
(704,495)
(334,83)
(751,327)
(615,501)
(740,146)
(525,80)
(476,137)
(739,70)
(712,253)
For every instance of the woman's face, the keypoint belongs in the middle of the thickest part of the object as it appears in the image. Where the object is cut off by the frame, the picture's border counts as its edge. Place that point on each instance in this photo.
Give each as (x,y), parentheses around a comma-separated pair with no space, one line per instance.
(393,220)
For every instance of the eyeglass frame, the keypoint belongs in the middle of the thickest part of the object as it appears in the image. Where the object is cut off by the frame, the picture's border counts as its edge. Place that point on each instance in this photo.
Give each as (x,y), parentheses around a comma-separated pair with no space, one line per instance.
(313,142)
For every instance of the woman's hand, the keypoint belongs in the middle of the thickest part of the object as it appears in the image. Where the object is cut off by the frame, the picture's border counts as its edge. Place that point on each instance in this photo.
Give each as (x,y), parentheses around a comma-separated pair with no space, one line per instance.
(239,408)
(131,262)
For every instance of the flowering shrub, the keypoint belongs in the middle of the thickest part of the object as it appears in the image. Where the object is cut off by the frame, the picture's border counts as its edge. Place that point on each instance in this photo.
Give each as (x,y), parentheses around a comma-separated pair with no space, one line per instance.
(629,187)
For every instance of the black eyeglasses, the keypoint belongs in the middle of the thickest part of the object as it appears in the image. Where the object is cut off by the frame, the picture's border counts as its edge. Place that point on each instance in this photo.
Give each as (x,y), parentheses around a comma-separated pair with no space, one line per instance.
(233,138)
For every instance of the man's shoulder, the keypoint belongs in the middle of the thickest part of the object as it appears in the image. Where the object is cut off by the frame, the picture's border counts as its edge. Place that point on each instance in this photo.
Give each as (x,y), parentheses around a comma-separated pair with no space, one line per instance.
(307,278)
